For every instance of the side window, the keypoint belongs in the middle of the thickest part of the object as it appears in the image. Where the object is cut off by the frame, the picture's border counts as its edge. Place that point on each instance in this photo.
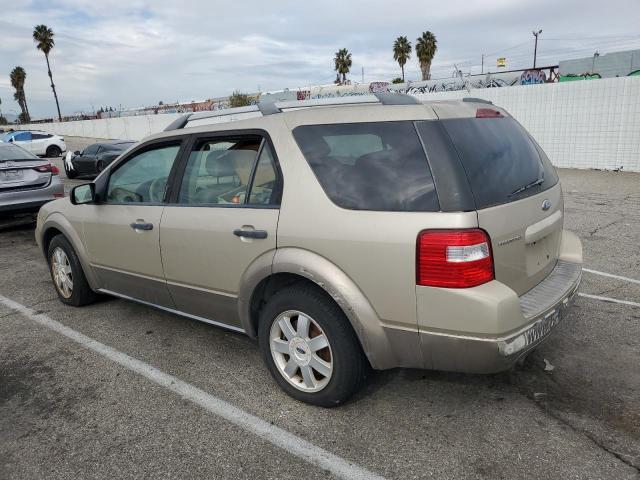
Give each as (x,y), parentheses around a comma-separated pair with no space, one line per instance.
(143,177)
(91,149)
(218,171)
(264,187)
(22,137)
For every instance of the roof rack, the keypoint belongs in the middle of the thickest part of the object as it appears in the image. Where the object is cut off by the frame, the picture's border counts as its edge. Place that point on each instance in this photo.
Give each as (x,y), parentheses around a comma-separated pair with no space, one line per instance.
(268,106)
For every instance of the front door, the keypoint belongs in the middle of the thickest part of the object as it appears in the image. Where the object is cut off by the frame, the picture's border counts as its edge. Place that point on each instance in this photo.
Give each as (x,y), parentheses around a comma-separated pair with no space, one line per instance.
(23,139)
(223,216)
(122,234)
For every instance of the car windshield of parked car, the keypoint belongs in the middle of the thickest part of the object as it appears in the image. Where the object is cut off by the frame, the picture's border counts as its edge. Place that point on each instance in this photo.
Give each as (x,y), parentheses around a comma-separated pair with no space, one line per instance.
(370,166)
(15,153)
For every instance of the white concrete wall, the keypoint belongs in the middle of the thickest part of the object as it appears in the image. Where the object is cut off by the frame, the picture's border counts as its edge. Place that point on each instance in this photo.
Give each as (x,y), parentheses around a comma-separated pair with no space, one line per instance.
(582,124)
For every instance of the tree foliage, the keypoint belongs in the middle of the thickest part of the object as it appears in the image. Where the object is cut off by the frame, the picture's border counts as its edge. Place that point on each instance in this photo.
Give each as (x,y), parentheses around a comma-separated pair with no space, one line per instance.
(239,99)
(426,46)
(342,64)
(402,52)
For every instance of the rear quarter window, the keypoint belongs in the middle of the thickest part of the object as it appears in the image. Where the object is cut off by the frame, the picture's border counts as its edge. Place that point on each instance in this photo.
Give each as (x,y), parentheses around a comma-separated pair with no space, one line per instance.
(370,166)
(499,159)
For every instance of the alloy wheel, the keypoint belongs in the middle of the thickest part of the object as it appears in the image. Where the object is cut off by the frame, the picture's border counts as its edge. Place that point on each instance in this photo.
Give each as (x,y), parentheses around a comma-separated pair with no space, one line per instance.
(62,274)
(301,351)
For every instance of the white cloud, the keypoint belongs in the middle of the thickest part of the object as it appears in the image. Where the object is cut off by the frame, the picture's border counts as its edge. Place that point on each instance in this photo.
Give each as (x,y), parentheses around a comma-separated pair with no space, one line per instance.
(136,52)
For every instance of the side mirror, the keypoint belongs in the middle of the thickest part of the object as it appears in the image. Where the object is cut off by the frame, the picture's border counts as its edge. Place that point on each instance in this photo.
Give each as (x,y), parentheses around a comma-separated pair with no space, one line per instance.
(77,152)
(83,194)
(11,140)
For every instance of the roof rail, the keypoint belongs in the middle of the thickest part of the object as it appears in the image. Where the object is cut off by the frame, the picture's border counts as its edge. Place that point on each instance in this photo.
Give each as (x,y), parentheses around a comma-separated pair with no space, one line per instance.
(476,100)
(269,106)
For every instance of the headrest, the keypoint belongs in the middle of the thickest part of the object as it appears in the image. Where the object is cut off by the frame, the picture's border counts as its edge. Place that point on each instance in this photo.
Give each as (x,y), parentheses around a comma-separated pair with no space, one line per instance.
(218,164)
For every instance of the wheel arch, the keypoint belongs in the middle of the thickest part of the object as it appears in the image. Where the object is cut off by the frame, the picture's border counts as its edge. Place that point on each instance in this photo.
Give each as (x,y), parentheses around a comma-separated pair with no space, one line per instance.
(57,224)
(291,265)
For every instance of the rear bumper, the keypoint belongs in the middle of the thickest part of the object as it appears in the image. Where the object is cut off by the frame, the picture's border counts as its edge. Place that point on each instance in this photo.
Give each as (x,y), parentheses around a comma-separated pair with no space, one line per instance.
(542,307)
(31,200)
(486,329)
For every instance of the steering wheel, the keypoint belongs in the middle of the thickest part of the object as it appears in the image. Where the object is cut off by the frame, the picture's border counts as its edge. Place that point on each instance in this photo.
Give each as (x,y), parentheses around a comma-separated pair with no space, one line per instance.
(157,189)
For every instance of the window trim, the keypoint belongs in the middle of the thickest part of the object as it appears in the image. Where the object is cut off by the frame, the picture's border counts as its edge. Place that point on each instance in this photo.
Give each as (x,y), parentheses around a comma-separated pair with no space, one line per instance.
(174,190)
(102,181)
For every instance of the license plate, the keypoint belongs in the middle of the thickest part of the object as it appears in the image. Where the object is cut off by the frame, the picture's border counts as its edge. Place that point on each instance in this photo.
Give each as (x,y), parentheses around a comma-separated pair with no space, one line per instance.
(543,327)
(10,175)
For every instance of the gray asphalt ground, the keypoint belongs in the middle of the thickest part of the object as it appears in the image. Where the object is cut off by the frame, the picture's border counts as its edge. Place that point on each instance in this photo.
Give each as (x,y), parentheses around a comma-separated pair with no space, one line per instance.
(67,412)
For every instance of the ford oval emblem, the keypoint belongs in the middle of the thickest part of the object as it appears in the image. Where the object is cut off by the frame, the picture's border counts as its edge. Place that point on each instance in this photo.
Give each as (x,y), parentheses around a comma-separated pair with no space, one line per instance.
(546,205)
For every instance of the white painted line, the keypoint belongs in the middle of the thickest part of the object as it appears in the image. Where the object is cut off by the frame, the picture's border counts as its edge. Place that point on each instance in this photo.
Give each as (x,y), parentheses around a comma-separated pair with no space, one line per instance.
(277,436)
(607,299)
(611,275)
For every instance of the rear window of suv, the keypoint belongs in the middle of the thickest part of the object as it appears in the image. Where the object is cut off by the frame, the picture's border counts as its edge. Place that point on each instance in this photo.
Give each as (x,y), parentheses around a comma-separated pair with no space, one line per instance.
(370,166)
(501,161)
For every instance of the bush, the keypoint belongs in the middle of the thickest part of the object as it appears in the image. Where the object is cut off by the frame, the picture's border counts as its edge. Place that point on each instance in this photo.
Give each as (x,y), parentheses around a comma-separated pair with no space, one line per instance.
(238,99)
(397,80)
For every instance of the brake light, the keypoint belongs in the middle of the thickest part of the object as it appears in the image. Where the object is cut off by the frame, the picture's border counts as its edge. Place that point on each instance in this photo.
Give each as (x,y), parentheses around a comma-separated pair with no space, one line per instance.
(488,113)
(49,167)
(454,258)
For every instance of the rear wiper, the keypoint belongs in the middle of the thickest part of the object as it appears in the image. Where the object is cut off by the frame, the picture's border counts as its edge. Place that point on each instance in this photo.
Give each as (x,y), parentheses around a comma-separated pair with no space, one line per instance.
(535,183)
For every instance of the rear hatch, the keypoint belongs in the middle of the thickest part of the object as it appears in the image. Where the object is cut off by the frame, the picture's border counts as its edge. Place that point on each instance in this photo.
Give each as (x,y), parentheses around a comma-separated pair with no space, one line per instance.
(20,170)
(516,192)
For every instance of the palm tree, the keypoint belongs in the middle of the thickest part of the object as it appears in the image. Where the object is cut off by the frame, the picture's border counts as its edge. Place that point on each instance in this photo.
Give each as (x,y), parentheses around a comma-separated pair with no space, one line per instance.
(426,47)
(342,63)
(402,52)
(43,37)
(18,77)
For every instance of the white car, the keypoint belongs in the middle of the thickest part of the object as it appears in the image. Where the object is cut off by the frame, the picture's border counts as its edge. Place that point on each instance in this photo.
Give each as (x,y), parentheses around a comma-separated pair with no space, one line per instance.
(37,142)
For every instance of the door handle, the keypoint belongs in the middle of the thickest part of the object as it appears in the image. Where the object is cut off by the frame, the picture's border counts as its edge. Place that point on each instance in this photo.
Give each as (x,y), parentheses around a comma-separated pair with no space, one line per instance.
(141,225)
(238,232)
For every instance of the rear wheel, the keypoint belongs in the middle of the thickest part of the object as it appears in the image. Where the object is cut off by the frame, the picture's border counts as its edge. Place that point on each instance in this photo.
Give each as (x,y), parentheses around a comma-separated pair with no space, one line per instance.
(53,151)
(67,275)
(310,348)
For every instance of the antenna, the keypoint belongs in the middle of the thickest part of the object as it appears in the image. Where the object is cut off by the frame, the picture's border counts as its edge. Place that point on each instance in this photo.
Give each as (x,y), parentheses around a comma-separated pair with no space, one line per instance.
(464,82)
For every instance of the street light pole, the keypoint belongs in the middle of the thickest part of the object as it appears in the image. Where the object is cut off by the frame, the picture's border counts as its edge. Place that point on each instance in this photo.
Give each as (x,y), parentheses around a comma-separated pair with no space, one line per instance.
(535,49)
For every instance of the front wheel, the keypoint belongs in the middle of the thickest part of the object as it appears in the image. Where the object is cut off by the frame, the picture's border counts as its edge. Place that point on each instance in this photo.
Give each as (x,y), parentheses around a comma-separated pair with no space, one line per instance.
(99,166)
(67,275)
(310,348)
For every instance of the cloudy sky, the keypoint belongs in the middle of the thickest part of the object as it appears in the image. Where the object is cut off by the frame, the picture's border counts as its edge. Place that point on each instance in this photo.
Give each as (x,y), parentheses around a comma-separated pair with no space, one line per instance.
(138,52)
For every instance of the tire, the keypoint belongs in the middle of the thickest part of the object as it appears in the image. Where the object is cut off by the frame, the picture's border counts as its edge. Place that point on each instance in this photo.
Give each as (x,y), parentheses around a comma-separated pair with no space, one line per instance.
(99,166)
(53,151)
(344,355)
(80,292)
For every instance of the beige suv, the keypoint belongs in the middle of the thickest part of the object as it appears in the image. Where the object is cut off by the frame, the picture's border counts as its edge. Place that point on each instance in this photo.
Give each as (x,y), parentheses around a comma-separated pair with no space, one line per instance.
(375,231)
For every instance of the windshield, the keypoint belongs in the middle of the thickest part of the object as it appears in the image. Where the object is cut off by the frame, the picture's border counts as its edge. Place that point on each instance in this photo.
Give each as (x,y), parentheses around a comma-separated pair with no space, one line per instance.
(15,153)
(5,137)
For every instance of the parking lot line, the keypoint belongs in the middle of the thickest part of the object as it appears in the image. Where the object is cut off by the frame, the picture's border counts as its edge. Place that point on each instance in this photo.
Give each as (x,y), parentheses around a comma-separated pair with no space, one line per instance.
(277,436)
(611,275)
(608,299)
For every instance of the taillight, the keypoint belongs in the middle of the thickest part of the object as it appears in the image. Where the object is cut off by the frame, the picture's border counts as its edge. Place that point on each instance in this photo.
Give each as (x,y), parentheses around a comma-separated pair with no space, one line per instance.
(49,167)
(488,113)
(454,258)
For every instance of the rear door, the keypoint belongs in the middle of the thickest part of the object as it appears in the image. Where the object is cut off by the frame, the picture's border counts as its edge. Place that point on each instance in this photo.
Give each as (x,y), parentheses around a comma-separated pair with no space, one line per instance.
(517,195)
(39,143)
(223,216)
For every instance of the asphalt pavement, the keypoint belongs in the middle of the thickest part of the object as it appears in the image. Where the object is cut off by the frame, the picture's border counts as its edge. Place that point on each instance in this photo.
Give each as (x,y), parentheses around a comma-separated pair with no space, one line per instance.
(70,409)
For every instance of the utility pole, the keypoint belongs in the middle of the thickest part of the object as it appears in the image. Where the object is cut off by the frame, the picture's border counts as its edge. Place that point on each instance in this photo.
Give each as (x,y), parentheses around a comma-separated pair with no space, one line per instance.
(593,63)
(363,74)
(535,49)
(482,67)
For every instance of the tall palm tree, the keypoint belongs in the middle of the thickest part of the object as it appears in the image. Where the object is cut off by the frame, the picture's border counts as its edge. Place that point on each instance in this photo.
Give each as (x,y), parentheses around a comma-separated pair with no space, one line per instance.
(402,52)
(426,46)
(342,63)
(43,37)
(18,76)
